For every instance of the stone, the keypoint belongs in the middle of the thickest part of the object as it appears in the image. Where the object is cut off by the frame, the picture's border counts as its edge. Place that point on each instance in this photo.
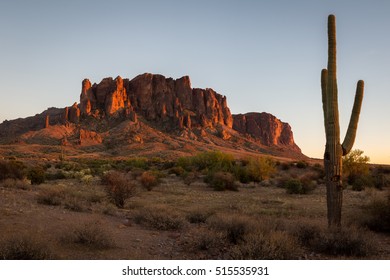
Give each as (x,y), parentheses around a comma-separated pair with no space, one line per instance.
(266,128)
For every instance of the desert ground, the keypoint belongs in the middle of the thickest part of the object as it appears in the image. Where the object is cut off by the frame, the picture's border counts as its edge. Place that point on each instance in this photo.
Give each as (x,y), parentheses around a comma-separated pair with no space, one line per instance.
(151,208)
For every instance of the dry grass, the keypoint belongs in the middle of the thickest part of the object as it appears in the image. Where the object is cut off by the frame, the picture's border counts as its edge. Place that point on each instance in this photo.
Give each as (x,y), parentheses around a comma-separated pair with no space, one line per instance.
(15,184)
(350,241)
(160,218)
(25,246)
(90,234)
(275,245)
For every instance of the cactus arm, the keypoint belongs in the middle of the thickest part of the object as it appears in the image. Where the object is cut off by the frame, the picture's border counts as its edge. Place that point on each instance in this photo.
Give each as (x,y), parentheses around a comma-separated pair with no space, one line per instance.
(353,123)
(324,78)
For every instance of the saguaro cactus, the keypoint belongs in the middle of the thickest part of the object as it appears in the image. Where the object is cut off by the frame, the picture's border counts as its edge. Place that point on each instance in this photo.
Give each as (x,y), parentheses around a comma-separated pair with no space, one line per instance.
(333,149)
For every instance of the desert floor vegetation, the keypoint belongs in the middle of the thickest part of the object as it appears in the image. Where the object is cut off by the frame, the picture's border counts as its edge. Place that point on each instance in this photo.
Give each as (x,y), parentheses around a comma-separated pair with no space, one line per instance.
(155,209)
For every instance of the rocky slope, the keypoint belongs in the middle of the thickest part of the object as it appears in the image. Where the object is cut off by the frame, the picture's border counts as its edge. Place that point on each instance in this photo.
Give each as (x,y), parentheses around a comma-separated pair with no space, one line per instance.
(122,111)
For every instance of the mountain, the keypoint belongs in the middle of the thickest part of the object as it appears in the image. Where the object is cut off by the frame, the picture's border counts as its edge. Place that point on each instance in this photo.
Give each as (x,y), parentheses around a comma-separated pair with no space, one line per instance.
(152,114)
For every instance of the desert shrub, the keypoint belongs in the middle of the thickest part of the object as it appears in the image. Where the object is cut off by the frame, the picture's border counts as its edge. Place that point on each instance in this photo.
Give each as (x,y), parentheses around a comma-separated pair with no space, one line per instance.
(303,185)
(378,215)
(36,174)
(206,239)
(221,181)
(242,174)
(73,203)
(198,216)
(58,175)
(24,247)
(255,169)
(294,186)
(118,187)
(91,234)
(307,234)
(360,181)
(51,196)
(177,170)
(275,245)
(302,164)
(160,218)
(15,184)
(190,177)
(136,172)
(348,241)
(380,181)
(355,167)
(12,169)
(233,227)
(131,163)
(211,160)
(149,180)
(69,166)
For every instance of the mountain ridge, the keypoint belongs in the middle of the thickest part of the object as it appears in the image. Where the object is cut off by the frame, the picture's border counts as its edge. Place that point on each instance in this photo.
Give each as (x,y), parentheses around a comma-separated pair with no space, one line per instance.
(169,107)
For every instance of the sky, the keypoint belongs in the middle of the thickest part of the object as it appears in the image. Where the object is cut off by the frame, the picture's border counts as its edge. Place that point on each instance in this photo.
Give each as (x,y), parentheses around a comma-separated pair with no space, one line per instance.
(265,56)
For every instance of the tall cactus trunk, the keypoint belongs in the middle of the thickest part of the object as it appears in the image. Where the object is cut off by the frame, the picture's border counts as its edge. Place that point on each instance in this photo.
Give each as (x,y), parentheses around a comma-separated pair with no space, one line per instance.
(333,149)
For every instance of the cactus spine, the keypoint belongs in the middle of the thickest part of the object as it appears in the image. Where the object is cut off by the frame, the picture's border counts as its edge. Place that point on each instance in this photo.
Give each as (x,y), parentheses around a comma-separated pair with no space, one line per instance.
(333,149)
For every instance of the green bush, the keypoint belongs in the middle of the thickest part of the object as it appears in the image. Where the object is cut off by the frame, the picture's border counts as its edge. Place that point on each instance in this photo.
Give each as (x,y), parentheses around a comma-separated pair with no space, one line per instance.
(294,186)
(130,164)
(303,185)
(212,160)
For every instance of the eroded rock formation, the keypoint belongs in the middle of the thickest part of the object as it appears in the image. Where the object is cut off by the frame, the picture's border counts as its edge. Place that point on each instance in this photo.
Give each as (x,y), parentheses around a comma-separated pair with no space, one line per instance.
(265,128)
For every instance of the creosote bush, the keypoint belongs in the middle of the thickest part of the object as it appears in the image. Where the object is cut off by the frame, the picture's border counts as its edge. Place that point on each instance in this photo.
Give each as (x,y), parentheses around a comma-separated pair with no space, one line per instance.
(118,187)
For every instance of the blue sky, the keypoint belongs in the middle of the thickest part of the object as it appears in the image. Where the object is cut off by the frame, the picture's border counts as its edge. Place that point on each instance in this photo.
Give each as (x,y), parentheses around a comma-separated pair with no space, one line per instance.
(263,55)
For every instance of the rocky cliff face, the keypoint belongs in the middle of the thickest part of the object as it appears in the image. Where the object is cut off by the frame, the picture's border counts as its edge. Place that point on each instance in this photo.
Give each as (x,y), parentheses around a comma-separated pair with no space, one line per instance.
(168,105)
(156,98)
(265,128)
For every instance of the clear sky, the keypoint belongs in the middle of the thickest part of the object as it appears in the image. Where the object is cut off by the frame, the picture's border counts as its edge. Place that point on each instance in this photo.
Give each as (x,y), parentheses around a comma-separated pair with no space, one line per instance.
(264,55)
